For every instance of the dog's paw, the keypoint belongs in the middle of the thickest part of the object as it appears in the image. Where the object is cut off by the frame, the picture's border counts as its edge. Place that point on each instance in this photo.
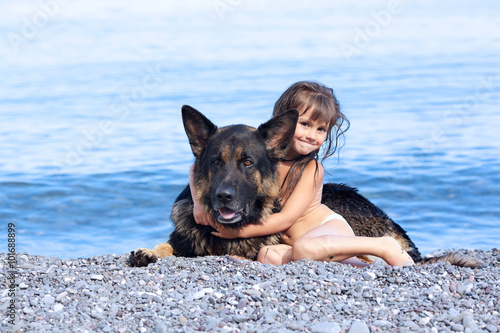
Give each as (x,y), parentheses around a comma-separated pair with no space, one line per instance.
(142,257)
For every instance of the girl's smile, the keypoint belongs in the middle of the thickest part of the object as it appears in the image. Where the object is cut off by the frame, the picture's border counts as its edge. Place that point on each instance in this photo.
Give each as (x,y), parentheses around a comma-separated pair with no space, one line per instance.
(309,136)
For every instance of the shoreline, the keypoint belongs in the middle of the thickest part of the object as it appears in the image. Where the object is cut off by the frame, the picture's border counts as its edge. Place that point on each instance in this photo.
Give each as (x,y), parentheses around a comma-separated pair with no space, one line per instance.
(222,294)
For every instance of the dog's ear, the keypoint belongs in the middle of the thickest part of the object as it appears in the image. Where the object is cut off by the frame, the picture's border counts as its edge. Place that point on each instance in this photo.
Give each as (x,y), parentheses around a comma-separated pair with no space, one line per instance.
(198,128)
(278,133)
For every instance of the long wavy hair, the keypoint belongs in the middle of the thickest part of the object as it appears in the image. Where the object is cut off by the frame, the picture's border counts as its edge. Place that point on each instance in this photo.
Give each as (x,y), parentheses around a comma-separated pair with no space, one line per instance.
(311,96)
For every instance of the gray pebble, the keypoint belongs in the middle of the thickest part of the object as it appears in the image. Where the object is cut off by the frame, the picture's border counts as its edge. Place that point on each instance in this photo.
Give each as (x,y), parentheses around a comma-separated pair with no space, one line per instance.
(95,314)
(469,322)
(308,287)
(199,294)
(242,303)
(61,296)
(240,318)
(28,311)
(211,324)
(252,292)
(80,284)
(161,328)
(460,316)
(411,325)
(113,310)
(383,324)
(325,327)
(369,276)
(359,326)
(48,300)
(491,328)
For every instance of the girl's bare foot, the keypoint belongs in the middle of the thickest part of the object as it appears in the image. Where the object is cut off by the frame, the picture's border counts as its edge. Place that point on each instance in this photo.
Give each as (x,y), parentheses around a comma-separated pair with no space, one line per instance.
(394,254)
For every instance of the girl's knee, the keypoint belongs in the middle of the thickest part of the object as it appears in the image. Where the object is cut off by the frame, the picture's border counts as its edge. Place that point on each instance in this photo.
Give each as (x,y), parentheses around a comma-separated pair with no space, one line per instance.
(267,255)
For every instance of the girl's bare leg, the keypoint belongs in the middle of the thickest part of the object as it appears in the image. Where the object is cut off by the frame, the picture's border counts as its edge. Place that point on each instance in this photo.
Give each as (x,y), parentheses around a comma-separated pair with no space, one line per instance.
(281,254)
(341,228)
(325,243)
(275,254)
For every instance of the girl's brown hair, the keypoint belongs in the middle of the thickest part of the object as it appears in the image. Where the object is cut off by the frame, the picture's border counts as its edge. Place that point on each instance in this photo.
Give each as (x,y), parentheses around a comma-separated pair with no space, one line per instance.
(321,101)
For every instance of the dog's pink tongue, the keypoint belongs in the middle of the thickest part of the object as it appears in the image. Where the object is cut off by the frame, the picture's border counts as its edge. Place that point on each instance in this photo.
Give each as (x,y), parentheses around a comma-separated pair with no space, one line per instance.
(227,213)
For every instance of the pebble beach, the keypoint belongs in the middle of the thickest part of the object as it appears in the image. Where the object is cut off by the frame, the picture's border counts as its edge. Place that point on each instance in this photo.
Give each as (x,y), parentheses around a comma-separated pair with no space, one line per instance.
(223,294)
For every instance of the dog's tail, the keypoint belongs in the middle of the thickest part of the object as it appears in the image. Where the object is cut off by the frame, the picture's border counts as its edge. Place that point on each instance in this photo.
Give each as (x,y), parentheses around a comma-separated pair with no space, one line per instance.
(454,258)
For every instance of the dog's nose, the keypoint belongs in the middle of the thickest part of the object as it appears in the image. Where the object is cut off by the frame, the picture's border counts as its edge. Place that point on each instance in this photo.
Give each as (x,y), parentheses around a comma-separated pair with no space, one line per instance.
(225,194)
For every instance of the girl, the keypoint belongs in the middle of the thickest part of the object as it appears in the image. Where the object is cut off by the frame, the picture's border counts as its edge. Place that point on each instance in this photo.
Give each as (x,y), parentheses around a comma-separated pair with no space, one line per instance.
(310,229)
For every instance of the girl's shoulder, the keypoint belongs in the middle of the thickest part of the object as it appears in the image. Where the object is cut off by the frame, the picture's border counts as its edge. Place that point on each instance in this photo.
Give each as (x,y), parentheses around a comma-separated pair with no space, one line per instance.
(314,165)
(314,170)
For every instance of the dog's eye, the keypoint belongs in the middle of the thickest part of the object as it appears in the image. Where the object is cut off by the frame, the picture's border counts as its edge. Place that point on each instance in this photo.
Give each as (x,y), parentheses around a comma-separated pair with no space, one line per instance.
(247,163)
(216,161)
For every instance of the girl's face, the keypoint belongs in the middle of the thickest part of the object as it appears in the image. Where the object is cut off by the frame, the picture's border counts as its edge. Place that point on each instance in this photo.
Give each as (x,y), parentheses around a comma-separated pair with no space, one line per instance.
(309,136)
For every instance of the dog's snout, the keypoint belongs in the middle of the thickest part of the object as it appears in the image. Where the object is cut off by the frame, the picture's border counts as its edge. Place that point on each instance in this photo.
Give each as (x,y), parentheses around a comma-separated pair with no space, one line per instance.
(225,194)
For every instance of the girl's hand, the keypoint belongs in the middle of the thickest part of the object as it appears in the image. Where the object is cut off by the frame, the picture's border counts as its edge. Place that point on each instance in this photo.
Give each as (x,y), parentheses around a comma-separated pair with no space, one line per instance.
(201,216)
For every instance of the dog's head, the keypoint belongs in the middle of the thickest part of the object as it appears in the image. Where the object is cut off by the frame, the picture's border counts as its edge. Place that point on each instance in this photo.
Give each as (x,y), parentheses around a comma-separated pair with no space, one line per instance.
(236,166)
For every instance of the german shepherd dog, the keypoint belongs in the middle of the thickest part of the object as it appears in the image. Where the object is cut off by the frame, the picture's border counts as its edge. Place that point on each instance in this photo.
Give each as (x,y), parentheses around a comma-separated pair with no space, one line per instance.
(236,180)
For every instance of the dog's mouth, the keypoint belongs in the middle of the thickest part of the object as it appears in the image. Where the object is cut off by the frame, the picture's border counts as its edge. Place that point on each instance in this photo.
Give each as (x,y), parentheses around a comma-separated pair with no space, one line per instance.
(228,216)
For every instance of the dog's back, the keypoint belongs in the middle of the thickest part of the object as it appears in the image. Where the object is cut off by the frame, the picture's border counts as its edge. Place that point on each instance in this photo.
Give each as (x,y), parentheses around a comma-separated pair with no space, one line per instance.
(364,217)
(368,220)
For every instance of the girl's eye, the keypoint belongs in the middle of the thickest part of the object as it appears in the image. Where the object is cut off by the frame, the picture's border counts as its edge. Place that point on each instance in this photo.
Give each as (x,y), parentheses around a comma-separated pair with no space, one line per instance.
(216,161)
(247,163)
(305,124)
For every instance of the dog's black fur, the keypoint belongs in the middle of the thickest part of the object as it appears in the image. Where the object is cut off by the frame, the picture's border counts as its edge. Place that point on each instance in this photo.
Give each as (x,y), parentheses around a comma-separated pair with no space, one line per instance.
(237,181)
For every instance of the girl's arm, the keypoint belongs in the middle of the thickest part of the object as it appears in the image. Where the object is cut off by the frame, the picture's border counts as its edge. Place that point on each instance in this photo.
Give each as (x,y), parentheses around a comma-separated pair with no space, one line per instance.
(200,215)
(292,210)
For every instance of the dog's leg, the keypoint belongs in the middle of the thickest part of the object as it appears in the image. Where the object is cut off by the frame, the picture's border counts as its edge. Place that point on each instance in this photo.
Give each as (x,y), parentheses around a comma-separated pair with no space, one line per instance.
(143,257)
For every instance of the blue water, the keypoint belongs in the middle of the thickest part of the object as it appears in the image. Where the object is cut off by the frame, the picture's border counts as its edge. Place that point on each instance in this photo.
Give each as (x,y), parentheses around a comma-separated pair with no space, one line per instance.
(93,151)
